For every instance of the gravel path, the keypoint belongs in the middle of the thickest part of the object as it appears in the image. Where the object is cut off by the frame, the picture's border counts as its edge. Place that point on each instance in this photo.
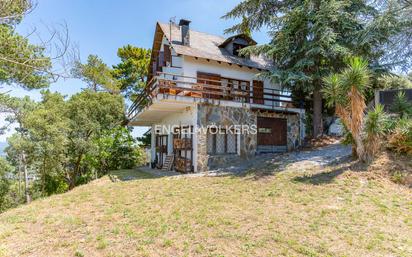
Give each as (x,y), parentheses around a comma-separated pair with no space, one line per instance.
(298,160)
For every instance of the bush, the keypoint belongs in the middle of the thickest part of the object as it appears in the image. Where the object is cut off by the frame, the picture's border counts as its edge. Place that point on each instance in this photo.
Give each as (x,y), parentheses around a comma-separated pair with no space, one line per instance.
(114,149)
(394,82)
(401,105)
(400,140)
(375,127)
(4,185)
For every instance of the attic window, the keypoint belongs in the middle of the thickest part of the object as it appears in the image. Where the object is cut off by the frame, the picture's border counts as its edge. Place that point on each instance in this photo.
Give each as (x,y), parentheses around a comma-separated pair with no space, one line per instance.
(237,48)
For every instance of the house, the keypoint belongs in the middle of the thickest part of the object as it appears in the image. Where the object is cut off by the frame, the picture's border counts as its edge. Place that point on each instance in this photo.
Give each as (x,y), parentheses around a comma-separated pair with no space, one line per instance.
(207,106)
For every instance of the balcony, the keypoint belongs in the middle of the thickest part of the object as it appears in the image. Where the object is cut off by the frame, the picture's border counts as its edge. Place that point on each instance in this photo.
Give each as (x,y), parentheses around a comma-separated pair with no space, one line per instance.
(179,91)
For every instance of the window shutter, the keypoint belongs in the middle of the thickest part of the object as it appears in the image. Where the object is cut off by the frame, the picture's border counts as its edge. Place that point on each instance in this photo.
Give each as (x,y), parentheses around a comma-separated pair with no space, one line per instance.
(161,61)
(168,54)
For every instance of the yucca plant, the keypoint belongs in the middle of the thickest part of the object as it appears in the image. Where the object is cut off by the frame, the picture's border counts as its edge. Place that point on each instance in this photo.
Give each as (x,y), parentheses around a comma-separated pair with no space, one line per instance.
(375,128)
(401,139)
(336,96)
(346,92)
(401,105)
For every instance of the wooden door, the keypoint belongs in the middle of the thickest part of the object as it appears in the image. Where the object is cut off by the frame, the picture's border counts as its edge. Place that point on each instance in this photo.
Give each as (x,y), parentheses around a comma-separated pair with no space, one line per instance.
(161,148)
(210,79)
(258,92)
(272,131)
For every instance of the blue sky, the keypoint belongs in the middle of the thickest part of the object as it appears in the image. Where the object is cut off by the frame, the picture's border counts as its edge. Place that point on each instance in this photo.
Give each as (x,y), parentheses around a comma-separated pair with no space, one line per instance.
(101,27)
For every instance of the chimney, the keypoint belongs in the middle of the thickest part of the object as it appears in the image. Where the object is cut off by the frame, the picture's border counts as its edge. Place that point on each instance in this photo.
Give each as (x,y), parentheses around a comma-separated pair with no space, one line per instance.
(184,27)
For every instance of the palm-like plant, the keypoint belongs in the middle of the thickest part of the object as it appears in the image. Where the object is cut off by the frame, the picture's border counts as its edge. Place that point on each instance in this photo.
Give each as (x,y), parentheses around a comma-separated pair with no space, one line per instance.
(401,105)
(355,79)
(375,126)
(346,92)
(336,96)
(401,138)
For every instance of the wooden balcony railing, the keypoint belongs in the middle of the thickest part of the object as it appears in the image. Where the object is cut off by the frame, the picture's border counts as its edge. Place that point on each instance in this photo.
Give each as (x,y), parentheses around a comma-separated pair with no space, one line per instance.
(172,84)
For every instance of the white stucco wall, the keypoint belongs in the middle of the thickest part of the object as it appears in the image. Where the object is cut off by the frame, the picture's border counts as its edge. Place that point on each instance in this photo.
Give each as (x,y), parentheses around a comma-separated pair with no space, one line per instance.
(184,118)
(191,66)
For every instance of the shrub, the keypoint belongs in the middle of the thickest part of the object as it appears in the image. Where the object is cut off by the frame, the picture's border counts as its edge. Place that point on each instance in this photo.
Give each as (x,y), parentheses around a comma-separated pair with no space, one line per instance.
(375,127)
(4,184)
(401,105)
(394,82)
(400,140)
(114,149)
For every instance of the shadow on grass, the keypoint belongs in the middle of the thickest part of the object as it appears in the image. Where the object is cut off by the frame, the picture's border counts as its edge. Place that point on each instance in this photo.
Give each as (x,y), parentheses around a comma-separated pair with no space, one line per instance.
(261,172)
(272,164)
(128,175)
(321,178)
(334,170)
(330,170)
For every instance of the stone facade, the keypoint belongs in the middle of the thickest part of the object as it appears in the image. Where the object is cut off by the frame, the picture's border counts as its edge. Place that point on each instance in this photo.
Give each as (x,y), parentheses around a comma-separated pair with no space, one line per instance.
(294,122)
(209,115)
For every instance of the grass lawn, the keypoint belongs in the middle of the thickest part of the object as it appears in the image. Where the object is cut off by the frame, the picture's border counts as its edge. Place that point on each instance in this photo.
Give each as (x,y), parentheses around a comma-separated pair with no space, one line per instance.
(330,212)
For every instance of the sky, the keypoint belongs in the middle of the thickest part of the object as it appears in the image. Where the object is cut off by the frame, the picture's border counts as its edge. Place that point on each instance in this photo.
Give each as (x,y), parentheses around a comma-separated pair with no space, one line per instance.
(102,26)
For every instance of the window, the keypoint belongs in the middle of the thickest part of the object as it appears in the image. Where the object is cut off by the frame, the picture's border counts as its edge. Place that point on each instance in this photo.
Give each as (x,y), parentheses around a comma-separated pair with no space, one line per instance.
(236,48)
(239,89)
(221,141)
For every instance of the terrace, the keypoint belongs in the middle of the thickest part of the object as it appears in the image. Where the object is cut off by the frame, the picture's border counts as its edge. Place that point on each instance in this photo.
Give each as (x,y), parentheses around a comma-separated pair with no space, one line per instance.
(166,93)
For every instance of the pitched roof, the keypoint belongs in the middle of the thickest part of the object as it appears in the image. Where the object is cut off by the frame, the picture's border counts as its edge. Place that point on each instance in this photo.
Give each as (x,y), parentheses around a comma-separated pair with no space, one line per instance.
(203,45)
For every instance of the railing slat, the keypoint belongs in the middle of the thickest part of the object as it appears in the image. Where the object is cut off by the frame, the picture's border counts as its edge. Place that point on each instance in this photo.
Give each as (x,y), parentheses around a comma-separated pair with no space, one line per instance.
(227,91)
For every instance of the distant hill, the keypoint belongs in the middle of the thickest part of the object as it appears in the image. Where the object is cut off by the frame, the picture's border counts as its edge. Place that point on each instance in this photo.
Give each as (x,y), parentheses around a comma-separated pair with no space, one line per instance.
(3,145)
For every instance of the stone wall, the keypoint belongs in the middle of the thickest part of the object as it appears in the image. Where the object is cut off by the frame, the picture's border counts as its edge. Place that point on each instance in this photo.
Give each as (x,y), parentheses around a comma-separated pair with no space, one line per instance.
(209,115)
(293,126)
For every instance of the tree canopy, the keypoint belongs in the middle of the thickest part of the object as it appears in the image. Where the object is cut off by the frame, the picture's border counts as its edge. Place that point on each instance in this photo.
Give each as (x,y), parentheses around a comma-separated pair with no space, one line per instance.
(21,63)
(96,74)
(311,39)
(132,69)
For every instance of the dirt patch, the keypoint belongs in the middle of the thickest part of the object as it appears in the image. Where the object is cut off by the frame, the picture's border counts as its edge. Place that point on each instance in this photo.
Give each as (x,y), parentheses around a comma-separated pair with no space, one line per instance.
(397,167)
(322,141)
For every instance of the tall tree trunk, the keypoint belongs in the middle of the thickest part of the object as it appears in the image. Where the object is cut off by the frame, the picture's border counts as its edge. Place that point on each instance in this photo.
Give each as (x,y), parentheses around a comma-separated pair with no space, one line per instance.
(360,148)
(354,152)
(19,169)
(317,112)
(76,171)
(358,107)
(26,178)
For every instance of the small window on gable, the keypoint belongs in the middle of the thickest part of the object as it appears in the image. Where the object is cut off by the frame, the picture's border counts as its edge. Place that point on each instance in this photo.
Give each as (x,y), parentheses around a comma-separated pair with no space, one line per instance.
(237,48)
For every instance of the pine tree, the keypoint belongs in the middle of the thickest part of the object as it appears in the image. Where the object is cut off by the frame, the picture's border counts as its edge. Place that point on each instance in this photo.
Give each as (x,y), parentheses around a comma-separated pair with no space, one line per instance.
(310,39)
